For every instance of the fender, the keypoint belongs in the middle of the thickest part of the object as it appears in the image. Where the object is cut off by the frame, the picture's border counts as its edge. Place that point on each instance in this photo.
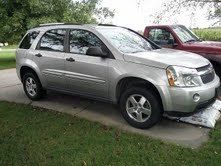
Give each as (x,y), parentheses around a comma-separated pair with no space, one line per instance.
(31,64)
(156,83)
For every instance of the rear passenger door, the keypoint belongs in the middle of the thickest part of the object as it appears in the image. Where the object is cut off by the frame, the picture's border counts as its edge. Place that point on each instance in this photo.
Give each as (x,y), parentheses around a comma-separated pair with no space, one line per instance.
(50,56)
(86,74)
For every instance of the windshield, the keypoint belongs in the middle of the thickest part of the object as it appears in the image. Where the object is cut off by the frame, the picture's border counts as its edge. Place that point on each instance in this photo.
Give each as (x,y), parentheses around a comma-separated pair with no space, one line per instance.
(125,40)
(185,34)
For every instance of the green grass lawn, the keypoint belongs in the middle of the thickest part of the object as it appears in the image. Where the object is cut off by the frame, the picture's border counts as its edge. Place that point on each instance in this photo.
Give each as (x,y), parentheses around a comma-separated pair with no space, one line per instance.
(35,136)
(7,59)
(212,34)
(9,47)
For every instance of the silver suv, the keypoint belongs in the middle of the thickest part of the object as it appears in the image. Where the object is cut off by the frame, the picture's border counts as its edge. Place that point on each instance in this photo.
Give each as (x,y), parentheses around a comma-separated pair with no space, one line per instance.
(117,65)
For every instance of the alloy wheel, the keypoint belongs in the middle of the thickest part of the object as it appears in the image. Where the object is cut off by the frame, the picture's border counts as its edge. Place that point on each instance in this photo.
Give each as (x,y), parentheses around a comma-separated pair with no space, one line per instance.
(138,108)
(31,86)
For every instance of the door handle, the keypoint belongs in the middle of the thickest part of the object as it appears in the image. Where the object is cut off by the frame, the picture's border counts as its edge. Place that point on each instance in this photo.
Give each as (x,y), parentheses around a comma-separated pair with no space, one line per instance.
(38,55)
(70,59)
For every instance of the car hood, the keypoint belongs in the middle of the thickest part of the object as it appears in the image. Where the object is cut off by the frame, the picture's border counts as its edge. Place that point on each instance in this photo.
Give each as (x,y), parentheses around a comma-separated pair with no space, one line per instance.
(164,57)
(208,46)
(208,43)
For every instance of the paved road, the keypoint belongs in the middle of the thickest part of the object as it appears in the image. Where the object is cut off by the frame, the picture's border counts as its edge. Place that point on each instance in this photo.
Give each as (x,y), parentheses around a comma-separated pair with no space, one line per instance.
(107,114)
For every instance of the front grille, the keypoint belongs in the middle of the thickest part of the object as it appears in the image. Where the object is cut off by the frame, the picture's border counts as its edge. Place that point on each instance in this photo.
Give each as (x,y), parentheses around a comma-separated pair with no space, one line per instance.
(206,73)
(207,78)
(204,68)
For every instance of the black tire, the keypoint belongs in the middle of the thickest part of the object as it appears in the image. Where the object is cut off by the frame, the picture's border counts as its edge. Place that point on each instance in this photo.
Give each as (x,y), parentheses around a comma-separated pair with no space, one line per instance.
(151,97)
(217,68)
(40,92)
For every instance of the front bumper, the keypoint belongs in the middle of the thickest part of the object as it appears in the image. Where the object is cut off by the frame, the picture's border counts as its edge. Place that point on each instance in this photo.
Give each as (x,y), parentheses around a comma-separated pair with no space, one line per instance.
(180,100)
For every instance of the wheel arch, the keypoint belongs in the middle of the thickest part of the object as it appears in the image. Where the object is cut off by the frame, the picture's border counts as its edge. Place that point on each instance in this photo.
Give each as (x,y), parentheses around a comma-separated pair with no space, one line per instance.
(25,69)
(131,81)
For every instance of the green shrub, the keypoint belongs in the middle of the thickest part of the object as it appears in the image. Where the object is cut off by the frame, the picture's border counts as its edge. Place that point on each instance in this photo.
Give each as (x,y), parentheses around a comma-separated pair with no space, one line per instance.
(212,34)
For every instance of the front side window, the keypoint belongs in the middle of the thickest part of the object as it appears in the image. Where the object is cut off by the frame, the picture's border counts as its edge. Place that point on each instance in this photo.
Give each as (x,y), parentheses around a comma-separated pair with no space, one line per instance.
(28,40)
(125,40)
(161,36)
(53,40)
(81,40)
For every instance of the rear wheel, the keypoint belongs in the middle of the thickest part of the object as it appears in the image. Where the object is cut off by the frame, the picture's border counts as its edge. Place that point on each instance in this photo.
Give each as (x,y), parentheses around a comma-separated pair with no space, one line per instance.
(140,108)
(32,86)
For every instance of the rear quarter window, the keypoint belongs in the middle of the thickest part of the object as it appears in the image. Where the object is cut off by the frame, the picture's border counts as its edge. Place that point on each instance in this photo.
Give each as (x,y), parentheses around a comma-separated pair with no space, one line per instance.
(28,39)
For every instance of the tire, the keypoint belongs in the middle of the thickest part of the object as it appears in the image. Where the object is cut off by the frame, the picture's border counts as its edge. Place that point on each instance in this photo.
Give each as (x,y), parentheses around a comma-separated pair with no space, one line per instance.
(36,92)
(217,69)
(150,110)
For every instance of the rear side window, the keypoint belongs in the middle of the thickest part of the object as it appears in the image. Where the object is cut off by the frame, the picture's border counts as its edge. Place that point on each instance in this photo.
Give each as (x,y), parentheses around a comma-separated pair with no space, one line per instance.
(53,40)
(28,40)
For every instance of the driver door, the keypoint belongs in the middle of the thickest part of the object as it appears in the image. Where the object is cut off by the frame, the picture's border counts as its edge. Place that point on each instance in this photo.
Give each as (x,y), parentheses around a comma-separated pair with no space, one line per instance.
(87,75)
(162,37)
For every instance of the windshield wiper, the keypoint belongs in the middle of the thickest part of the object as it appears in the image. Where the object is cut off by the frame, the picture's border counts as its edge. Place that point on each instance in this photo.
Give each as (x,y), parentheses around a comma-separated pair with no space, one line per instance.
(191,40)
(133,52)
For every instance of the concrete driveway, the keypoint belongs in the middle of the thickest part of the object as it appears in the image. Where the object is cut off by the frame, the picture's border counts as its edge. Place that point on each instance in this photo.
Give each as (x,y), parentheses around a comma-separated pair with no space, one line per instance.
(107,114)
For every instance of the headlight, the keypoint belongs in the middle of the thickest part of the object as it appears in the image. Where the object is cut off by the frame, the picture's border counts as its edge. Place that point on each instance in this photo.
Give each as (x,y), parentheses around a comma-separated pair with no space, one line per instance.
(183,77)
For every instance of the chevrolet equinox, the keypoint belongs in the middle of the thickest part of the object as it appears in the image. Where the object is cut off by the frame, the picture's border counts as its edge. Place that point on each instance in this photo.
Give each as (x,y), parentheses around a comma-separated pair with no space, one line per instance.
(117,65)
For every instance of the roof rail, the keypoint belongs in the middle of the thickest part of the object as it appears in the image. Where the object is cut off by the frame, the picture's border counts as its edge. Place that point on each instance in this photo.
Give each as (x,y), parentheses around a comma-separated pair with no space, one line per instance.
(52,24)
(107,25)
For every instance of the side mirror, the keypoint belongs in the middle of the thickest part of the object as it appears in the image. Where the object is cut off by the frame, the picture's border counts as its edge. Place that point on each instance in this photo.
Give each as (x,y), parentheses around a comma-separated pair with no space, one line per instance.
(96,51)
(172,43)
(175,44)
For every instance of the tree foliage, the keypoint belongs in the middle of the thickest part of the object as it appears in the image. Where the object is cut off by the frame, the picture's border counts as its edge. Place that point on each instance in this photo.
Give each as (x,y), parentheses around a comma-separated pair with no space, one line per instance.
(17,16)
(173,7)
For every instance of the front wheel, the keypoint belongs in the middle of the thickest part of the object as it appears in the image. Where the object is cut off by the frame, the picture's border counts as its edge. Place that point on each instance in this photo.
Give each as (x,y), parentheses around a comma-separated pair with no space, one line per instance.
(140,108)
